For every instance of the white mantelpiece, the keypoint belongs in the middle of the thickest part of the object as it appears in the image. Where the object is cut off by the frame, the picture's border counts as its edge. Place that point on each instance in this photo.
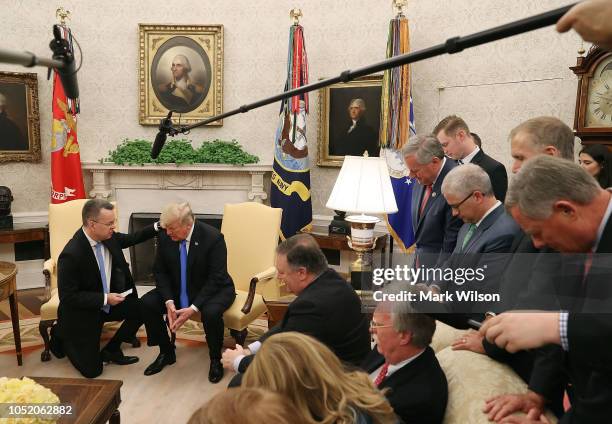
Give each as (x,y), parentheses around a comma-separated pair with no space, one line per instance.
(207,187)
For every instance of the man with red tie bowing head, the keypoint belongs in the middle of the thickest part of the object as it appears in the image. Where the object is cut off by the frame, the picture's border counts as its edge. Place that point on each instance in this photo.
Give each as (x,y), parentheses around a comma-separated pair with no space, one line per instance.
(191,276)
(403,363)
(435,227)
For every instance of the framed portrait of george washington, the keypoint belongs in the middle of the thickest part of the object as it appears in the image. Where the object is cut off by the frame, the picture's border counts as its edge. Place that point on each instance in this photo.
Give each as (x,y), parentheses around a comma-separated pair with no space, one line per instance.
(349,120)
(19,118)
(181,69)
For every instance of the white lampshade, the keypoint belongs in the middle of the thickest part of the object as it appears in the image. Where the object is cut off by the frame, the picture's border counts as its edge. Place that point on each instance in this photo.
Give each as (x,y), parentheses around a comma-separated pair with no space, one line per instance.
(363,186)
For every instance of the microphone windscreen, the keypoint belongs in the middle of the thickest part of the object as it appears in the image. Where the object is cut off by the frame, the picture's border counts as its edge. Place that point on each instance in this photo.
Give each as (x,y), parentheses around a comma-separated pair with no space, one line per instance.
(158,144)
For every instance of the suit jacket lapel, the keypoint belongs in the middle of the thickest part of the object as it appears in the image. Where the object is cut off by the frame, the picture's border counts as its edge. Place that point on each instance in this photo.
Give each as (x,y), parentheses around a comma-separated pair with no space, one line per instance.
(194,245)
(89,256)
(484,226)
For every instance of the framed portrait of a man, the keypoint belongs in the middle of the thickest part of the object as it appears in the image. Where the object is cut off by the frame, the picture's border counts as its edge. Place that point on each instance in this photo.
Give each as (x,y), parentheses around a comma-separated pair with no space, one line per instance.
(181,69)
(19,118)
(349,120)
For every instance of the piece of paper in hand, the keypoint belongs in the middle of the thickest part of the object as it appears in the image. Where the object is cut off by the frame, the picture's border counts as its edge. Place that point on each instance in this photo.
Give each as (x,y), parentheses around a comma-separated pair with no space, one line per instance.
(125,293)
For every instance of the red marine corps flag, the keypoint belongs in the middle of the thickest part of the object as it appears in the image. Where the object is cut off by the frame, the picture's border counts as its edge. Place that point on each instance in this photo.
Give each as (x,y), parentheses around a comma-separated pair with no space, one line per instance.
(66,173)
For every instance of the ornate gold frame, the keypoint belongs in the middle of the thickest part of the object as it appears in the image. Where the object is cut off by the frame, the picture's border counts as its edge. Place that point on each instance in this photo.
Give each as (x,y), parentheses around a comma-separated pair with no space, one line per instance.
(210,39)
(32,154)
(324,157)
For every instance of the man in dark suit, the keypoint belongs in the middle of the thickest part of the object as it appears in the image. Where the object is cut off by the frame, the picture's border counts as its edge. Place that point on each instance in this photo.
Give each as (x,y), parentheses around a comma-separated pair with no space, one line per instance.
(93,278)
(404,366)
(458,144)
(435,227)
(562,207)
(191,276)
(326,307)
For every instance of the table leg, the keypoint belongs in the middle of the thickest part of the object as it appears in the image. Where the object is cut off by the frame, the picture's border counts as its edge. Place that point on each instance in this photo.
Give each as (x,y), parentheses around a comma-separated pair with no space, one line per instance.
(16,331)
(115,418)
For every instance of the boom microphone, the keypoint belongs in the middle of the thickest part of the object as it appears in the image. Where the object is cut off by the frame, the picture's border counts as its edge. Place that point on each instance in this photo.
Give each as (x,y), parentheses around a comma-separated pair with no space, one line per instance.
(67,73)
(165,127)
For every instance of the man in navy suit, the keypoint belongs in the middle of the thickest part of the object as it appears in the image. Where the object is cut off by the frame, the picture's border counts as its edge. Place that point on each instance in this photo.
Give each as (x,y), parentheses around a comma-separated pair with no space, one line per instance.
(403,365)
(435,227)
(458,143)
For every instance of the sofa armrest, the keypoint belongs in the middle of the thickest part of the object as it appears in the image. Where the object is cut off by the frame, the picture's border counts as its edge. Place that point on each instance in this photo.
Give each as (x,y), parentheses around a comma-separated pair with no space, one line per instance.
(264,275)
(48,268)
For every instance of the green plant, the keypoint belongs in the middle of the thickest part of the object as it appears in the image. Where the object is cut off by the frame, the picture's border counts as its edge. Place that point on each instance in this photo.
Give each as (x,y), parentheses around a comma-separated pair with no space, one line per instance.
(138,152)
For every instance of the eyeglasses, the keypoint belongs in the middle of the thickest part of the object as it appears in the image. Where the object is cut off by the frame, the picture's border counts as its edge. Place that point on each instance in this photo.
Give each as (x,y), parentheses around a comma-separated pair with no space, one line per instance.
(111,224)
(462,202)
(375,325)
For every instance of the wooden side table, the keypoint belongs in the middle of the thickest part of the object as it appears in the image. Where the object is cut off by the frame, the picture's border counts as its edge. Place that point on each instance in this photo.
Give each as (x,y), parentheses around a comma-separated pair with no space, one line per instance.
(93,401)
(8,289)
(26,232)
(339,242)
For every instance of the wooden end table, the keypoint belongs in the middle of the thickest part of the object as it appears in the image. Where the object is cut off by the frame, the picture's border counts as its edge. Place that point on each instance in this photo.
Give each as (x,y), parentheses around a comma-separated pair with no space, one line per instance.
(93,401)
(8,289)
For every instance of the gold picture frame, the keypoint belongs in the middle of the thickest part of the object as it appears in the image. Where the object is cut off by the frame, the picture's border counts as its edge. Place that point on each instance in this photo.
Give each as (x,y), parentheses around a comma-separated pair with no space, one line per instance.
(335,121)
(181,68)
(19,117)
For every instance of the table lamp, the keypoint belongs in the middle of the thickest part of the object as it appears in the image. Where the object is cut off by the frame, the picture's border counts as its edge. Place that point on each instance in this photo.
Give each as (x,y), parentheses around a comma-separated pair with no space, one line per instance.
(363,187)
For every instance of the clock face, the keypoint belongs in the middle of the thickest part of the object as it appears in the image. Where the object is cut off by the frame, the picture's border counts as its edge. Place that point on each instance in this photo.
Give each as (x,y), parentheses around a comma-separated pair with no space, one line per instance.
(599,100)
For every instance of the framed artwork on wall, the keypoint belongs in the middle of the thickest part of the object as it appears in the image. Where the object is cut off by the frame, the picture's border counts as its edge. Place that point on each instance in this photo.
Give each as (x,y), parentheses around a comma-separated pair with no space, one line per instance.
(349,120)
(19,118)
(181,69)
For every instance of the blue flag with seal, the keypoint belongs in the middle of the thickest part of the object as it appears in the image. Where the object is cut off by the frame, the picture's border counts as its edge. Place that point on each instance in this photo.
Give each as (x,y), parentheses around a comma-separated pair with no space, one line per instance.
(291,171)
(396,126)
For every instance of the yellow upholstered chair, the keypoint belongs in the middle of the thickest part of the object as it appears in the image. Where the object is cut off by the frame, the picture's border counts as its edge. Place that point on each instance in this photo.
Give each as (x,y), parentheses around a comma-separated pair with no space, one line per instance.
(251,232)
(64,220)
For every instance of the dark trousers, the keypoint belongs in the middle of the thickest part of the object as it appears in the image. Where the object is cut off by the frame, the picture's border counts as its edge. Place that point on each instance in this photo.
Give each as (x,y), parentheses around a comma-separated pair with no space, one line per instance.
(154,308)
(84,351)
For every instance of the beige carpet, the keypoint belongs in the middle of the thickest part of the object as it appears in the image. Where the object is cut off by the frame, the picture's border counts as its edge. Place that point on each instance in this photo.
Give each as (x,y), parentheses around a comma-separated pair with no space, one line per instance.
(168,397)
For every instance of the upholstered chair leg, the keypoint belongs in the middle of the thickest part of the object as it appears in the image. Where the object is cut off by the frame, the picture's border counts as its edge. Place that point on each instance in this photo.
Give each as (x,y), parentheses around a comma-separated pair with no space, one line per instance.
(44,328)
(239,336)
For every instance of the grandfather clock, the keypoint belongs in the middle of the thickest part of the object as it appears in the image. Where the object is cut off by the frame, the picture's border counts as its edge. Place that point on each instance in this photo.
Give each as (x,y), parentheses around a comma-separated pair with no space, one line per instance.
(593,115)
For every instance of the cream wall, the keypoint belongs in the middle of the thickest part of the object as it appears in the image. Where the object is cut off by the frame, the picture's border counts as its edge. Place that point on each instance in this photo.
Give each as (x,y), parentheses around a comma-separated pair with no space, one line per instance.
(493,87)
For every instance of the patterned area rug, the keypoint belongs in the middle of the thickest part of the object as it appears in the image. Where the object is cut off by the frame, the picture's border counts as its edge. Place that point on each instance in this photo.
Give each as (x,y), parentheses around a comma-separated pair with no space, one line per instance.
(191,333)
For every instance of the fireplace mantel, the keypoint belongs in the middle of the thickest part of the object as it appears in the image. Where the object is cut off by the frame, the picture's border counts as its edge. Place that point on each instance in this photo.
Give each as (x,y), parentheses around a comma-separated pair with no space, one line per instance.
(207,187)
(108,177)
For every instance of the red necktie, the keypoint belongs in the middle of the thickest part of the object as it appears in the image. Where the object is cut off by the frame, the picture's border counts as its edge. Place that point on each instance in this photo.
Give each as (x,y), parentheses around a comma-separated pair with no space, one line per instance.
(381,375)
(425,199)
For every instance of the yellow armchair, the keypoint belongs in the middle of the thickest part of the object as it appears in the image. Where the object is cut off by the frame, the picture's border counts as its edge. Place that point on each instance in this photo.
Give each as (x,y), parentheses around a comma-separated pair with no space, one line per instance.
(251,231)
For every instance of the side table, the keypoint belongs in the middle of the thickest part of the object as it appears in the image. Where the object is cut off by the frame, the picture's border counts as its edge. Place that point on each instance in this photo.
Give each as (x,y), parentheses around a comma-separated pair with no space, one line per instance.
(8,289)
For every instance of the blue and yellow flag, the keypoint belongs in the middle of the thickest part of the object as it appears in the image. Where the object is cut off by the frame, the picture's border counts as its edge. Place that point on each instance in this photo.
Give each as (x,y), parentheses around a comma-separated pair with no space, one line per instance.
(291,170)
(396,127)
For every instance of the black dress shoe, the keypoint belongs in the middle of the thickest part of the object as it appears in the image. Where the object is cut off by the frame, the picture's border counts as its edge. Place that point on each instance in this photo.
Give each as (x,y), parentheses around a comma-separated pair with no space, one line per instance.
(117,357)
(163,359)
(55,346)
(215,374)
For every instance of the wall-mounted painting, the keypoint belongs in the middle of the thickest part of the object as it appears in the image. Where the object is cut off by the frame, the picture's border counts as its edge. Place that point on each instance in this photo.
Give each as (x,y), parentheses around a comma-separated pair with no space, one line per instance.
(181,69)
(349,119)
(19,119)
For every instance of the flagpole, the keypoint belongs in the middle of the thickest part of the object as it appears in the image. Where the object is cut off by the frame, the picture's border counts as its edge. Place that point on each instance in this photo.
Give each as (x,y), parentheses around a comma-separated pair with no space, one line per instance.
(450,46)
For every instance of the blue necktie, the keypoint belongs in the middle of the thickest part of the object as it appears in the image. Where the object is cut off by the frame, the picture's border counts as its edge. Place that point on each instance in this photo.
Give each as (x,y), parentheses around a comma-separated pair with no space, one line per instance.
(100,256)
(184,299)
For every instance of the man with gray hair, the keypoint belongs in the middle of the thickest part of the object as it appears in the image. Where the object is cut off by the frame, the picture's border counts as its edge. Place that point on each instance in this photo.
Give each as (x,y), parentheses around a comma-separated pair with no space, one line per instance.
(190,277)
(561,206)
(484,238)
(435,227)
(402,360)
(358,136)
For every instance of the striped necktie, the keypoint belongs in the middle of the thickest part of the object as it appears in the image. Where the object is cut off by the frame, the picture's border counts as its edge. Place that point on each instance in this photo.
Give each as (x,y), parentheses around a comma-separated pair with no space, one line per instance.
(468,235)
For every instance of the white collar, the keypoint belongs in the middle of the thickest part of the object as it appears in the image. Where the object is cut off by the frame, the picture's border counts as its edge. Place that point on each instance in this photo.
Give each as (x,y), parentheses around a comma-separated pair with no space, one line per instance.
(439,171)
(491,209)
(469,157)
(394,367)
(91,241)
